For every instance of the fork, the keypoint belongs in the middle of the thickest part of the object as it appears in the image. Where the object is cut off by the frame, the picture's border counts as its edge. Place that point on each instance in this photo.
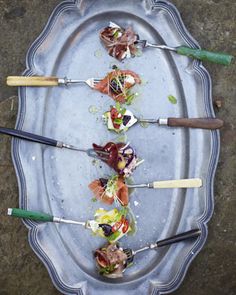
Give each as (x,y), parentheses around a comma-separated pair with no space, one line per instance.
(194,233)
(41,216)
(201,54)
(101,155)
(48,81)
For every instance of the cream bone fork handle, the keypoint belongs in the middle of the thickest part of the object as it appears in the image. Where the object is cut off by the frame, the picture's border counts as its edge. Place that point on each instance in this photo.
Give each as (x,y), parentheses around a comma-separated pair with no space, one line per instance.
(180,183)
(44,217)
(52,142)
(203,123)
(48,81)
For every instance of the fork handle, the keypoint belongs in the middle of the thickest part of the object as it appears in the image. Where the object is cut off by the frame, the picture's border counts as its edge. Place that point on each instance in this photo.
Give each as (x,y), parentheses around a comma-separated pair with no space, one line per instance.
(215,57)
(180,183)
(30,136)
(203,123)
(194,233)
(33,215)
(32,81)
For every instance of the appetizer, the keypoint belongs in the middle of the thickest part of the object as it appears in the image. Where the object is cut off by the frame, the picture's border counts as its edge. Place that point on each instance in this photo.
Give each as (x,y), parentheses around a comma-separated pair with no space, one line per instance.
(110,190)
(111,261)
(119,42)
(117,84)
(122,157)
(119,119)
(114,220)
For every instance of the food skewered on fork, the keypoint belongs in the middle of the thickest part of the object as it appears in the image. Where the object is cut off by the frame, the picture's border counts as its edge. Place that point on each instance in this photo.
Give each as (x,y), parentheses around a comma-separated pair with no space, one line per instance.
(113,260)
(115,188)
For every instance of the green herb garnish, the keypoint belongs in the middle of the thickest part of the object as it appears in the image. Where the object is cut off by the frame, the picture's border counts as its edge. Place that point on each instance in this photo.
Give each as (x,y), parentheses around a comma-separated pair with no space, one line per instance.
(113,236)
(111,186)
(94,200)
(116,34)
(129,98)
(118,121)
(107,269)
(172,99)
(120,109)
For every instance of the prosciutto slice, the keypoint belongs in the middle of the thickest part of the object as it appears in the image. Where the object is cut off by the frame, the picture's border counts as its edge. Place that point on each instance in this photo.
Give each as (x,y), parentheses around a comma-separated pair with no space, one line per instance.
(117,83)
(111,261)
(98,188)
(119,42)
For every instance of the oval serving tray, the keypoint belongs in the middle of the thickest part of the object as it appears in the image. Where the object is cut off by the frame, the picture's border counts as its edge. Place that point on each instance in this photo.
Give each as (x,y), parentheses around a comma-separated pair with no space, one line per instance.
(55,181)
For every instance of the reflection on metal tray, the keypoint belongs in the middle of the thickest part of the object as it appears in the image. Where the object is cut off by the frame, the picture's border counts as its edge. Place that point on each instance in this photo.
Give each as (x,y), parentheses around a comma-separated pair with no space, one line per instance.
(55,181)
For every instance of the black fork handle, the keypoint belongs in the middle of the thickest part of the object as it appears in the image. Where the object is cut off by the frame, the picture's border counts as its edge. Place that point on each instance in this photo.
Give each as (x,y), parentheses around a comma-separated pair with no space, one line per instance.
(29,136)
(194,233)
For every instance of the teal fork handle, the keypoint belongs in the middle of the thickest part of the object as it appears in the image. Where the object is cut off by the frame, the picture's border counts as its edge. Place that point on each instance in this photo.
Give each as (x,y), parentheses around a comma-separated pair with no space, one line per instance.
(21,213)
(201,54)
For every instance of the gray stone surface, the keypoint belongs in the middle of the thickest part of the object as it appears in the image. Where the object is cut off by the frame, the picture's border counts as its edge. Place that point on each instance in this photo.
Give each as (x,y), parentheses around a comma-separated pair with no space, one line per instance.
(213,272)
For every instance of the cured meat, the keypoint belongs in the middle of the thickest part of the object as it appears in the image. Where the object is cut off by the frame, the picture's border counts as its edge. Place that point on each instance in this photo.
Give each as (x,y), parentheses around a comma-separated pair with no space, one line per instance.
(107,194)
(122,157)
(117,84)
(111,261)
(119,42)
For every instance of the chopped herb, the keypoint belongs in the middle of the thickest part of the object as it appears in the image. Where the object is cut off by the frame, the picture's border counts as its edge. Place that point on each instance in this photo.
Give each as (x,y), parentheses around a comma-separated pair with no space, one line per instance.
(172,99)
(93,109)
(94,200)
(98,53)
(122,111)
(107,270)
(114,236)
(118,121)
(138,52)
(112,185)
(129,97)
(115,67)
(116,34)
(118,106)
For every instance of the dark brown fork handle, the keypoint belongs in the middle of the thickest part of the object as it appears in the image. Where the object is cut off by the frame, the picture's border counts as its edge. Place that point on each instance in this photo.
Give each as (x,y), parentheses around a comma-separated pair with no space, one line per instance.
(28,136)
(203,123)
(194,233)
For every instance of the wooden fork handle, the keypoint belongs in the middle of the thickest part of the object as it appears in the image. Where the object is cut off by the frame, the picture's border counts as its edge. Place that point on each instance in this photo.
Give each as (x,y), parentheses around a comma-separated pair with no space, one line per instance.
(32,81)
(180,183)
(203,123)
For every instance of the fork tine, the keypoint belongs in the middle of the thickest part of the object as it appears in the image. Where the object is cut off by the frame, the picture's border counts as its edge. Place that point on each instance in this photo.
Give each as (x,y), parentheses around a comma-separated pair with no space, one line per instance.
(92,82)
(96,81)
(129,254)
(101,155)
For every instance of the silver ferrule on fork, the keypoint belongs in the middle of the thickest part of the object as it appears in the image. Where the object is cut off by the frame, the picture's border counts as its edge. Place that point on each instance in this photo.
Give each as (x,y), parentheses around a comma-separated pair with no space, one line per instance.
(60,144)
(151,246)
(61,220)
(142,185)
(65,81)
(160,46)
(148,120)
(162,121)
(137,185)
(71,147)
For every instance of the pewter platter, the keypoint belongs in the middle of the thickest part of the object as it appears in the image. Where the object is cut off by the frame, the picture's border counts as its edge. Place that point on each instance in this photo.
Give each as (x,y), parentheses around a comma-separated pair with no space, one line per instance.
(55,181)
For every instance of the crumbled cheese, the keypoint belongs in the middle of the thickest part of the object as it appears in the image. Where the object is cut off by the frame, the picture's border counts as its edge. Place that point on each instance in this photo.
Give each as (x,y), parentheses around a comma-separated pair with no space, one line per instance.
(136,203)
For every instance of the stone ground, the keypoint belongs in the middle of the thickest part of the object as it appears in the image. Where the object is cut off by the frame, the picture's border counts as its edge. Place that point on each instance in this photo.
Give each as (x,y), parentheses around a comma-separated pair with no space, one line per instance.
(213,272)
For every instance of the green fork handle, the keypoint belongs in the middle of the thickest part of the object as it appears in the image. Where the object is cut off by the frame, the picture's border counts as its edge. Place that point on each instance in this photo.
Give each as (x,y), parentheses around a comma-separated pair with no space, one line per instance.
(201,54)
(21,213)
